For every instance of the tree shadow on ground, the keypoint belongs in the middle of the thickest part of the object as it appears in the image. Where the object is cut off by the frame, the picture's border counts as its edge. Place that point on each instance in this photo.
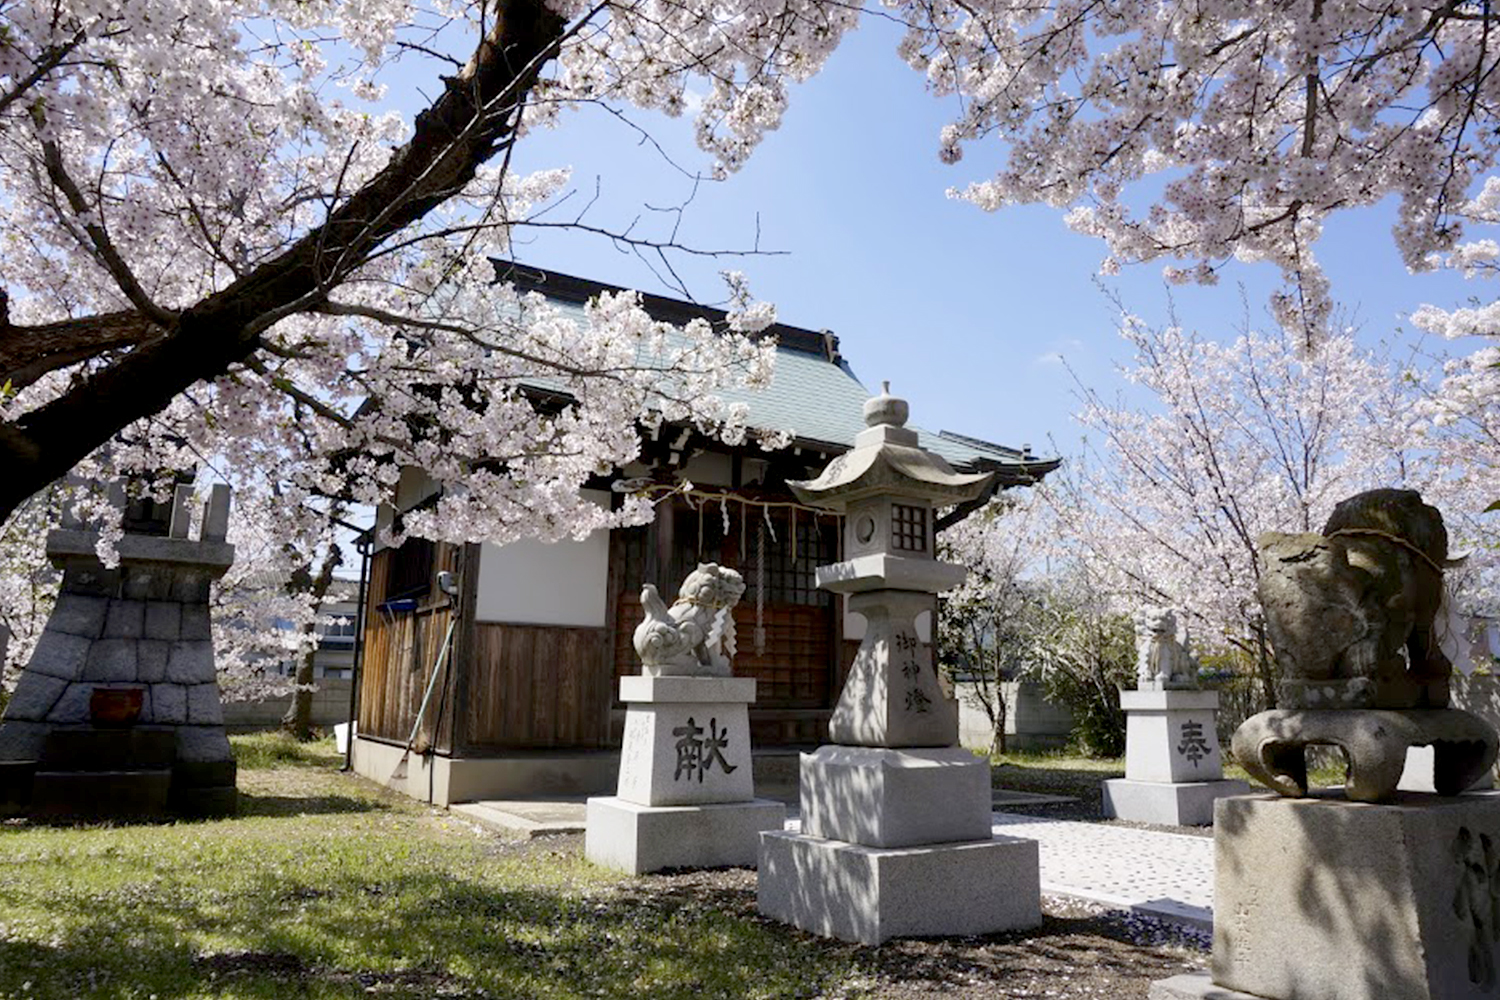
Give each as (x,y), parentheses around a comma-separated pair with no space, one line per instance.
(253,804)
(411,933)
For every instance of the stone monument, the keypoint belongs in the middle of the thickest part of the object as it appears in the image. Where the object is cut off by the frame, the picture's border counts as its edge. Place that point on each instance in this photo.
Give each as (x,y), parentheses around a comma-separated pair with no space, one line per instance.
(1375,894)
(117,715)
(896,826)
(1173,768)
(686,798)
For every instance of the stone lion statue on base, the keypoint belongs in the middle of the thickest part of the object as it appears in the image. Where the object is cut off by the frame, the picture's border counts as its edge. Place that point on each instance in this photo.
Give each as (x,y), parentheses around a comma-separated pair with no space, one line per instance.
(1350,611)
(1162,658)
(695,636)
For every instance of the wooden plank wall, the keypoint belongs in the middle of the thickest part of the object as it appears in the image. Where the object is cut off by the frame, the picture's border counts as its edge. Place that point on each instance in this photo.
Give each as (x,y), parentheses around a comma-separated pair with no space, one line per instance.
(535,686)
(400,653)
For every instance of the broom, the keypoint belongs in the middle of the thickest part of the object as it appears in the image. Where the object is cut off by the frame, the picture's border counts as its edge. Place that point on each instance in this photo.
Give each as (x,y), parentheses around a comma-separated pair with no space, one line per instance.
(446,584)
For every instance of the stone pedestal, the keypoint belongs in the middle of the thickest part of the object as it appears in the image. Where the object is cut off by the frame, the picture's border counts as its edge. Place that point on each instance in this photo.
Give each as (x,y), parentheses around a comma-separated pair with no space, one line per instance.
(895,798)
(1174,769)
(686,797)
(1322,898)
(868,894)
(894,843)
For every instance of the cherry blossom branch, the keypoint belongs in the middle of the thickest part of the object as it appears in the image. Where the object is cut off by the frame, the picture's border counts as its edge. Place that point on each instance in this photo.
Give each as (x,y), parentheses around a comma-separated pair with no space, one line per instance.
(104,248)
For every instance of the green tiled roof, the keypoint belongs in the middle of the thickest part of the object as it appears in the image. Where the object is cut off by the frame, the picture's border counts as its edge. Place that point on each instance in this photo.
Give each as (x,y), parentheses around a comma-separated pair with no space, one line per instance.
(814,394)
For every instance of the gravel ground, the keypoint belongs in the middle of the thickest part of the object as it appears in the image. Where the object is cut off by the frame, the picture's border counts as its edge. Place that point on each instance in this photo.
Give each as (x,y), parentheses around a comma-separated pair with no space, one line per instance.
(1081,950)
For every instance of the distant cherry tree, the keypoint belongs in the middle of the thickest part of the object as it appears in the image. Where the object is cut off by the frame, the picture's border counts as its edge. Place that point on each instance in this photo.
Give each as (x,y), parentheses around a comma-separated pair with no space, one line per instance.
(1235,439)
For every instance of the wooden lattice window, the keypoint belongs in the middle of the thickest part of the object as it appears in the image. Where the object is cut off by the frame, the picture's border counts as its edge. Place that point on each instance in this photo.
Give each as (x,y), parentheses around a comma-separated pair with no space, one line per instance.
(410,573)
(908,528)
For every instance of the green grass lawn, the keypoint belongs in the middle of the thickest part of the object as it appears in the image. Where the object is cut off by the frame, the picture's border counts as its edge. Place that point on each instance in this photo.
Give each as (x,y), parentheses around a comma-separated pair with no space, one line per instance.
(324,886)
(1071,774)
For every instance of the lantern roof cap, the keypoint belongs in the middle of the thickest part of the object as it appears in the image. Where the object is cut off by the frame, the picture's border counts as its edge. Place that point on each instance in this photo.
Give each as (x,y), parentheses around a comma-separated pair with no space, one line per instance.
(887,460)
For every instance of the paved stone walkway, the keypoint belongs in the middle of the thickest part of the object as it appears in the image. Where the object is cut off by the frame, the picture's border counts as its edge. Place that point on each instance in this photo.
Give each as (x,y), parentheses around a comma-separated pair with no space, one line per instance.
(1168,875)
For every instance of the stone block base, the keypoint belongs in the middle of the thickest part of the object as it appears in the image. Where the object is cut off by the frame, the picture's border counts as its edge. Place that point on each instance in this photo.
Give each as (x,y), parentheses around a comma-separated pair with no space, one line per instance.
(636,839)
(870,895)
(883,797)
(1183,803)
(1322,897)
(1193,986)
(85,796)
(15,786)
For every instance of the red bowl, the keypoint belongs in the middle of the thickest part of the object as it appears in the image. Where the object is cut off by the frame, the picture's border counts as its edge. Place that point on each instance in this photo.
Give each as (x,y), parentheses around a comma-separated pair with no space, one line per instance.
(116,706)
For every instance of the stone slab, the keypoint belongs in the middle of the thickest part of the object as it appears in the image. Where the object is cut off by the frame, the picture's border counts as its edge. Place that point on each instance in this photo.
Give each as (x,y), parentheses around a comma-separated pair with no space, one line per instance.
(203,705)
(1176,744)
(58,654)
(22,740)
(73,706)
(895,798)
(134,749)
(683,753)
(1156,872)
(78,614)
(1323,897)
(528,817)
(881,572)
(34,697)
(642,688)
(15,785)
(191,662)
(111,660)
(98,795)
(203,743)
(1193,986)
(1183,803)
(204,803)
(633,838)
(163,621)
(870,895)
(203,774)
(1169,700)
(169,703)
(125,619)
(213,556)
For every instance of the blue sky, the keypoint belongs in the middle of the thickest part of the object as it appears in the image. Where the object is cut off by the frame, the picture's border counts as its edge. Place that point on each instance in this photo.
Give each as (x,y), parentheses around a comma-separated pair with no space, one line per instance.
(965,312)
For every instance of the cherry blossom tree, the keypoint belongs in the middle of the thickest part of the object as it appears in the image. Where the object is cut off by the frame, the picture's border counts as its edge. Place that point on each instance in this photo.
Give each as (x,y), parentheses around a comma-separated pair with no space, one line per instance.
(1243,438)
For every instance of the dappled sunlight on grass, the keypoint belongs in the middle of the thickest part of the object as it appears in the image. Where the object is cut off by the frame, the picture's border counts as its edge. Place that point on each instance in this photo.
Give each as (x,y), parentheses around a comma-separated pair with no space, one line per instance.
(326,886)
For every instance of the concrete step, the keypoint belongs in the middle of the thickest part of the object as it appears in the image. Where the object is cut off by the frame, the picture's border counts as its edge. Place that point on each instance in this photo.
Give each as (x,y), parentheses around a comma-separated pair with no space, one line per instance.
(529,817)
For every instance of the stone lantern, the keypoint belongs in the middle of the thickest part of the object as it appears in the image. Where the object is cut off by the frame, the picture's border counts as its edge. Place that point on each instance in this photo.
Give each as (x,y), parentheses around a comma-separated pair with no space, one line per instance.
(886,489)
(896,817)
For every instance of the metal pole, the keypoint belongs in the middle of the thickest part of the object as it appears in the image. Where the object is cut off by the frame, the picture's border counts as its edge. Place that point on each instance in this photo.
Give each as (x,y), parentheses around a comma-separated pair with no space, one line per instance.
(362,543)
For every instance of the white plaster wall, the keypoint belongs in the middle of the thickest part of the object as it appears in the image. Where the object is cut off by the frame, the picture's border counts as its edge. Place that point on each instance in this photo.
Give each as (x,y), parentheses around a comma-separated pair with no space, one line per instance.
(540,583)
(709,469)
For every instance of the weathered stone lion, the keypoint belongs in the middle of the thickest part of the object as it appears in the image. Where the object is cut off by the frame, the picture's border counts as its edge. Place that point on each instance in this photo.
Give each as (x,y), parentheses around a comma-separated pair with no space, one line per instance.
(1350,612)
(695,636)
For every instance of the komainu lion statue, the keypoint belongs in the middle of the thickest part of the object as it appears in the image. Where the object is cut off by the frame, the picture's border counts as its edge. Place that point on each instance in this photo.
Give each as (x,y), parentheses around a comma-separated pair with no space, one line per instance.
(1162,658)
(1351,616)
(695,636)
(1350,612)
